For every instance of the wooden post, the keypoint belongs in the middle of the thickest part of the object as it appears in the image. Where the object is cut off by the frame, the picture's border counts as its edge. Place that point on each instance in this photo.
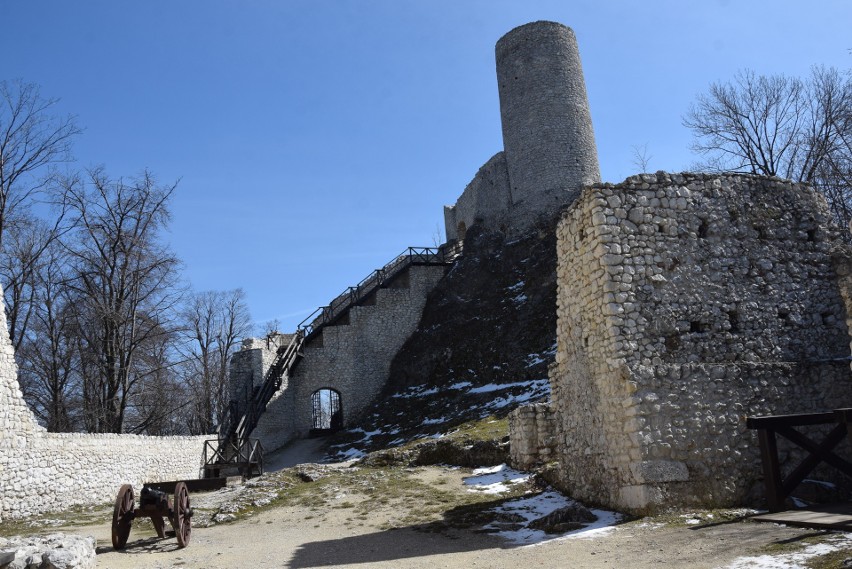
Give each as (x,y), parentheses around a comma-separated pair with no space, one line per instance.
(771,470)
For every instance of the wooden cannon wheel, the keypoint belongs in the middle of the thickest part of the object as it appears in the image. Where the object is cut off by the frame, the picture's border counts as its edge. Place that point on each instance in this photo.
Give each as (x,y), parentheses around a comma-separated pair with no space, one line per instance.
(122,516)
(182,515)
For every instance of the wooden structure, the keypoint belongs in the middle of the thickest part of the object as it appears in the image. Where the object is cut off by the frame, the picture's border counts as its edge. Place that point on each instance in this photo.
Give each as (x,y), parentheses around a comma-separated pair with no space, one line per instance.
(779,487)
(246,456)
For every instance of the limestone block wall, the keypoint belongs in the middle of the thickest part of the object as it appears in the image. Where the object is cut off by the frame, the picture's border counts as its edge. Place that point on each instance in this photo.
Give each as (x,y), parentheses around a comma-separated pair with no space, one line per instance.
(548,140)
(486,199)
(352,358)
(532,435)
(248,366)
(547,126)
(685,303)
(42,472)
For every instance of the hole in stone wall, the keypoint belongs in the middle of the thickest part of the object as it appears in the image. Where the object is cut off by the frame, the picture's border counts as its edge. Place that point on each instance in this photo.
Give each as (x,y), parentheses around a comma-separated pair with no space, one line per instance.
(672,342)
(734,320)
(812,234)
(586,342)
(702,229)
(761,231)
(696,326)
(581,234)
(661,228)
(826,318)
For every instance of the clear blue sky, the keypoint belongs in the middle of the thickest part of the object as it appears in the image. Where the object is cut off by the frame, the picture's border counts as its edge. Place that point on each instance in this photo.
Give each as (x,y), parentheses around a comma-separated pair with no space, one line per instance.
(314,140)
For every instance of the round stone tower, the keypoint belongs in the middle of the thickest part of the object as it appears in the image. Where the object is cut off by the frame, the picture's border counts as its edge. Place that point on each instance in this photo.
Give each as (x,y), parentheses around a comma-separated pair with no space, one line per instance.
(547,127)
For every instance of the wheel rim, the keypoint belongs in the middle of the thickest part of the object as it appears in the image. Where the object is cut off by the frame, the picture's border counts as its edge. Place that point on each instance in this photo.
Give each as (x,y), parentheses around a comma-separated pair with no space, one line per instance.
(183,515)
(122,516)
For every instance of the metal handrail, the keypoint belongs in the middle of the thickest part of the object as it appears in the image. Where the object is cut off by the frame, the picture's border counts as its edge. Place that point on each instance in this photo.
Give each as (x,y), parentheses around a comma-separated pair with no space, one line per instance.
(234,429)
(324,315)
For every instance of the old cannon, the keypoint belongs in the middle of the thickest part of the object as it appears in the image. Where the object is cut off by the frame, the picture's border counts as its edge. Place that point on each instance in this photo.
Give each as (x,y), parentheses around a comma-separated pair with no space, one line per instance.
(154,504)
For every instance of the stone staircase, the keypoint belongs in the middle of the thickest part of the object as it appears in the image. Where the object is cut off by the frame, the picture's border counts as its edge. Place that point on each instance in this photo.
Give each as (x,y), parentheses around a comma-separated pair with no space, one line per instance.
(239,424)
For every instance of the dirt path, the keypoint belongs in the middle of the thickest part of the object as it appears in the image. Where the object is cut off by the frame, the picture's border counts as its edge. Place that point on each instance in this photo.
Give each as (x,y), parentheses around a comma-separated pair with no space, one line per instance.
(338,525)
(283,538)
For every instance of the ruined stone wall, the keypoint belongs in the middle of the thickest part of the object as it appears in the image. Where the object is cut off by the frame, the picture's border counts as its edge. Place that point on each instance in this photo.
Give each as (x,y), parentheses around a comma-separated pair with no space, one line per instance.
(532,438)
(352,358)
(247,367)
(685,303)
(548,141)
(42,472)
(486,199)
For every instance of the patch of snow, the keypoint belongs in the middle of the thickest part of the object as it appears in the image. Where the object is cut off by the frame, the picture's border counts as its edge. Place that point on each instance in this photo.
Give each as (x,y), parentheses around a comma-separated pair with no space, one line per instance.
(503,386)
(460,385)
(437,421)
(798,503)
(350,454)
(416,391)
(516,287)
(520,299)
(495,480)
(533,360)
(792,560)
(820,483)
(535,507)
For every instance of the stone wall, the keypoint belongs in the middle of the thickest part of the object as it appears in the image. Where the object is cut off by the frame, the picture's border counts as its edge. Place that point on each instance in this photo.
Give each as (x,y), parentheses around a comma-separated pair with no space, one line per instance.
(686,303)
(41,471)
(532,437)
(353,358)
(486,199)
(549,144)
(248,366)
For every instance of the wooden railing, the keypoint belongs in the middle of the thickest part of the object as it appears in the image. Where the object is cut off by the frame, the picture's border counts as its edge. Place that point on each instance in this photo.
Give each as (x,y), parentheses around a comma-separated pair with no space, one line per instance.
(245,455)
(779,487)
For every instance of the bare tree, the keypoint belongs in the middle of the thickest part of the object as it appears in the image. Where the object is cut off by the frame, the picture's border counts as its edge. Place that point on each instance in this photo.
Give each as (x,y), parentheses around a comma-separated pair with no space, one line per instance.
(31,139)
(214,322)
(46,354)
(641,157)
(780,126)
(125,282)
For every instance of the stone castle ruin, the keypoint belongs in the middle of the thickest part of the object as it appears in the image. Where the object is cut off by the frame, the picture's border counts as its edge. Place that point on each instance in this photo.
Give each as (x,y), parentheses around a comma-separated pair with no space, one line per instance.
(685,302)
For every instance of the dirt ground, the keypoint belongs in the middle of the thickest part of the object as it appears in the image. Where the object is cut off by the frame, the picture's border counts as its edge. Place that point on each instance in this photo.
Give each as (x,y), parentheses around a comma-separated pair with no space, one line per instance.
(352,530)
(399,517)
(283,538)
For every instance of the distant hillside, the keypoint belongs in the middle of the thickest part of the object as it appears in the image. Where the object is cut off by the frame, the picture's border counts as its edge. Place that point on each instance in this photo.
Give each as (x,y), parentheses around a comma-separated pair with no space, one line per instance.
(482,347)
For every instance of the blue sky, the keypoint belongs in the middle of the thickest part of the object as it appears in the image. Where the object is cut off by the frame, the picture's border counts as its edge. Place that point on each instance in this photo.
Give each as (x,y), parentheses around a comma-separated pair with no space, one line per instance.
(314,140)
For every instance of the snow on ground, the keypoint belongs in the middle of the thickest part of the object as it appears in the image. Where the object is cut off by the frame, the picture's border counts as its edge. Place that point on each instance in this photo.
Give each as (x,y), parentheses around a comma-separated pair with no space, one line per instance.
(498,479)
(792,560)
(494,480)
(540,505)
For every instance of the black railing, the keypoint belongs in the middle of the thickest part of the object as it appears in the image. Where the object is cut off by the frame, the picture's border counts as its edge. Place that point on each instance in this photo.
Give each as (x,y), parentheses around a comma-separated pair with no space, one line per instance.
(236,427)
(325,315)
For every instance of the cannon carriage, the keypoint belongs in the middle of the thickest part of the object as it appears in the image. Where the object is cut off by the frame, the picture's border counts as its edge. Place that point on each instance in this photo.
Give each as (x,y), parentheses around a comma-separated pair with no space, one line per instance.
(154,504)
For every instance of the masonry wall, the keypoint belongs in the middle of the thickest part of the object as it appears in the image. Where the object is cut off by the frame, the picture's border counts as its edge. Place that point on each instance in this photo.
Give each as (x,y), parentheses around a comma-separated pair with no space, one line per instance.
(352,358)
(248,366)
(549,148)
(42,472)
(532,438)
(486,199)
(686,303)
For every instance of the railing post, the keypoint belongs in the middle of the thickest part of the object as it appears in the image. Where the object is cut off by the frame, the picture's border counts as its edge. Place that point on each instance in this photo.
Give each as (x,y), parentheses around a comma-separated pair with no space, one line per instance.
(771,469)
